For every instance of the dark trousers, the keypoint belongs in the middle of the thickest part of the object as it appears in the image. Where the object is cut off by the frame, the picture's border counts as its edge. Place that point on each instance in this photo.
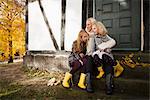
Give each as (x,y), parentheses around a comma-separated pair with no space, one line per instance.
(85,68)
(106,62)
(77,68)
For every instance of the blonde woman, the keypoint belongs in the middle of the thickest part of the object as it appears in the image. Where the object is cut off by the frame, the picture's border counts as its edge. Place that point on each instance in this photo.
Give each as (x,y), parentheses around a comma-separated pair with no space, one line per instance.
(89,52)
(88,29)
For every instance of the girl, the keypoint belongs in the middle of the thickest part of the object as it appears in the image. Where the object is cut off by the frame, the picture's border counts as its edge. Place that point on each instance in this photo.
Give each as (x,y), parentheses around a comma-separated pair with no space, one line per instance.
(78,60)
(102,55)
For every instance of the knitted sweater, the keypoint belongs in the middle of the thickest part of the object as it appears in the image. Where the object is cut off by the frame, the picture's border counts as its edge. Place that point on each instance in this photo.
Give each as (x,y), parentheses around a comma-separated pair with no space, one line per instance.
(103,43)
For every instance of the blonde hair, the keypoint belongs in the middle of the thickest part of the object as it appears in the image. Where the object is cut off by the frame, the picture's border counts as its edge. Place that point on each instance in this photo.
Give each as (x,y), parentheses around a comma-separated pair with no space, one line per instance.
(100,24)
(91,19)
(80,34)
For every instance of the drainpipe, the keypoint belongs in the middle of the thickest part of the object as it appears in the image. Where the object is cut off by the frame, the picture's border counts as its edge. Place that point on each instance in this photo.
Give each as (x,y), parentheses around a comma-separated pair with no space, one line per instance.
(93,8)
(142,27)
(87,7)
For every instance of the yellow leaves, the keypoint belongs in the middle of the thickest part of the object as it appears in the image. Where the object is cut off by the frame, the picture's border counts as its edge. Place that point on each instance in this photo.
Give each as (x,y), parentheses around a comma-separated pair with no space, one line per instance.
(12,28)
(11,9)
(18,24)
(128,61)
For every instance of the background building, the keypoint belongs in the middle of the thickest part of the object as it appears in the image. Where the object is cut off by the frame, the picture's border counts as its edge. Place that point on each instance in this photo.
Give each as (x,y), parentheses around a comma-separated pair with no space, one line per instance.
(123,18)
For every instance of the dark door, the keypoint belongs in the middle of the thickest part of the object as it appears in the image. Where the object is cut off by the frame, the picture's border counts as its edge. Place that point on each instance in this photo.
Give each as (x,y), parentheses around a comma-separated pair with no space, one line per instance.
(146,10)
(122,19)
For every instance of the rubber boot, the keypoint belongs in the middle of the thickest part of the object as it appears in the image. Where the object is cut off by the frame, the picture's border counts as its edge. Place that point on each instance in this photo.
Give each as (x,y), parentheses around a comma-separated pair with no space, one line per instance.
(101,72)
(89,87)
(109,80)
(65,82)
(118,69)
(82,81)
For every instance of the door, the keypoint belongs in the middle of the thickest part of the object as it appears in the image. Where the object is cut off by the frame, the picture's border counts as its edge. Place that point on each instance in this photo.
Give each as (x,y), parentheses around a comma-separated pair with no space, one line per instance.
(122,20)
(146,10)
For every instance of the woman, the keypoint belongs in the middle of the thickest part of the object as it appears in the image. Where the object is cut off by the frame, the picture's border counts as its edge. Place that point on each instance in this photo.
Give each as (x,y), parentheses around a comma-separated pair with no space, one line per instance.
(90,49)
(78,60)
(88,29)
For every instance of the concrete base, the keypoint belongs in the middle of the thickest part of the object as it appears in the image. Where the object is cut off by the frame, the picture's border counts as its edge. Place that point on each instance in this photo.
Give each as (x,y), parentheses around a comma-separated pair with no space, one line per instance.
(47,60)
(58,61)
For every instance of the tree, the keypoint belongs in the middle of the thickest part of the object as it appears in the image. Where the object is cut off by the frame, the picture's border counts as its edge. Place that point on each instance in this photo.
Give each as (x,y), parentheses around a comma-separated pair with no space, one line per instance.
(10,10)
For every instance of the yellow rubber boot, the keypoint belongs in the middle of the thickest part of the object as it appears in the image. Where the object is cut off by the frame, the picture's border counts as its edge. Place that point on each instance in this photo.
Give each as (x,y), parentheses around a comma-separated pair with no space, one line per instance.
(82,81)
(118,69)
(101,72)
(65,82)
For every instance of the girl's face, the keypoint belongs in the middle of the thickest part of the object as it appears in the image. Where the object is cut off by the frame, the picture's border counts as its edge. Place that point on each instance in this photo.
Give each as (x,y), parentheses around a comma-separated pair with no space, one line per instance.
(94,29)
(97,30)
(84,37)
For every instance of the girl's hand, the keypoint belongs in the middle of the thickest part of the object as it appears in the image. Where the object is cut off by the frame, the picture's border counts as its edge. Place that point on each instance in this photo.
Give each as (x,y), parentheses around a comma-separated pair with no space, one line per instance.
(81,62)
(101,50)
(81,55)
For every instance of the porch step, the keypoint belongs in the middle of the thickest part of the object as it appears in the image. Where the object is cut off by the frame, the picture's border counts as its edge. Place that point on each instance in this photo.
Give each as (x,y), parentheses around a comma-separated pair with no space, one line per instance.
(137,56)
(131,88)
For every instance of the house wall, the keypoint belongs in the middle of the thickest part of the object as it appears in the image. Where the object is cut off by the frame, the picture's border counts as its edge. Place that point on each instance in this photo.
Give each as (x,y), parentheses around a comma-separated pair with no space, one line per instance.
(38,36)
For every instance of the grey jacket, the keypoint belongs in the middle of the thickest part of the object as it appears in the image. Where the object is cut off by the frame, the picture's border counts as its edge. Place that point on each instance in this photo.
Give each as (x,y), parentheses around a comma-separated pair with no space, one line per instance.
(103,45)
(104,42)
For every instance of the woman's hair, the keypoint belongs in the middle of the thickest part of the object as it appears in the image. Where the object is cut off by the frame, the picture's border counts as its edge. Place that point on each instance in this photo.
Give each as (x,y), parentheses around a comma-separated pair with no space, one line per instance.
(91,19)
(100,24)
(80,34)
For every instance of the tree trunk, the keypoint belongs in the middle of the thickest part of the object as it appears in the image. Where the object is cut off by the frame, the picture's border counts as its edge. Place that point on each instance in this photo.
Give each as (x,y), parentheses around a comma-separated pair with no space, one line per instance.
(48,26)
(63,20)
(10,60)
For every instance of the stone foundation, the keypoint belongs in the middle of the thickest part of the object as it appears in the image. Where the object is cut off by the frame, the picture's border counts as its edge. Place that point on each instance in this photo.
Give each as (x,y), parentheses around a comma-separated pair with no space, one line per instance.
(47,60)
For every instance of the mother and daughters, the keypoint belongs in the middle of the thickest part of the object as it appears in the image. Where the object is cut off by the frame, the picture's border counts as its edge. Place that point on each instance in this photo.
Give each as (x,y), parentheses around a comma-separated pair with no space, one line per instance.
(92,50)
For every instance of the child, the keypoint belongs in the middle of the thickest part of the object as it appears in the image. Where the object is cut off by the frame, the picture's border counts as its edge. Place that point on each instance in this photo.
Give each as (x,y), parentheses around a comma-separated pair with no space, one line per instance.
(102,55)
(78,60)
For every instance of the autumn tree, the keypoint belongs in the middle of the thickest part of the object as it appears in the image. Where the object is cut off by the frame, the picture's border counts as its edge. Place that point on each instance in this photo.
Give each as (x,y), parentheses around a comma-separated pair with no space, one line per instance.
(11,11)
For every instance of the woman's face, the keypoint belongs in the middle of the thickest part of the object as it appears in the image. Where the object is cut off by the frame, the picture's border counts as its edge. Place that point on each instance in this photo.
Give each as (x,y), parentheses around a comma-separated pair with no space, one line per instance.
(88,25)
(85,37)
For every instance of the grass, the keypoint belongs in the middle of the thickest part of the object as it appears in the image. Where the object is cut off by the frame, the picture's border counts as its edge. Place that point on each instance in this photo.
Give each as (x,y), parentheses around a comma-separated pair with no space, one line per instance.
(125,88)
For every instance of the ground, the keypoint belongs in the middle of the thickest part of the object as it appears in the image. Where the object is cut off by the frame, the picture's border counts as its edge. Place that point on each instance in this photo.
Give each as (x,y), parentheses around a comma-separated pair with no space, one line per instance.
(17,83)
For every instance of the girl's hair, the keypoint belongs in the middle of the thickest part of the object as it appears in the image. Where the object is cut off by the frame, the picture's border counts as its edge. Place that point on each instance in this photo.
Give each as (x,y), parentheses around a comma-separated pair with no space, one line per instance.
(80,34)
(91,19)
(100,24)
